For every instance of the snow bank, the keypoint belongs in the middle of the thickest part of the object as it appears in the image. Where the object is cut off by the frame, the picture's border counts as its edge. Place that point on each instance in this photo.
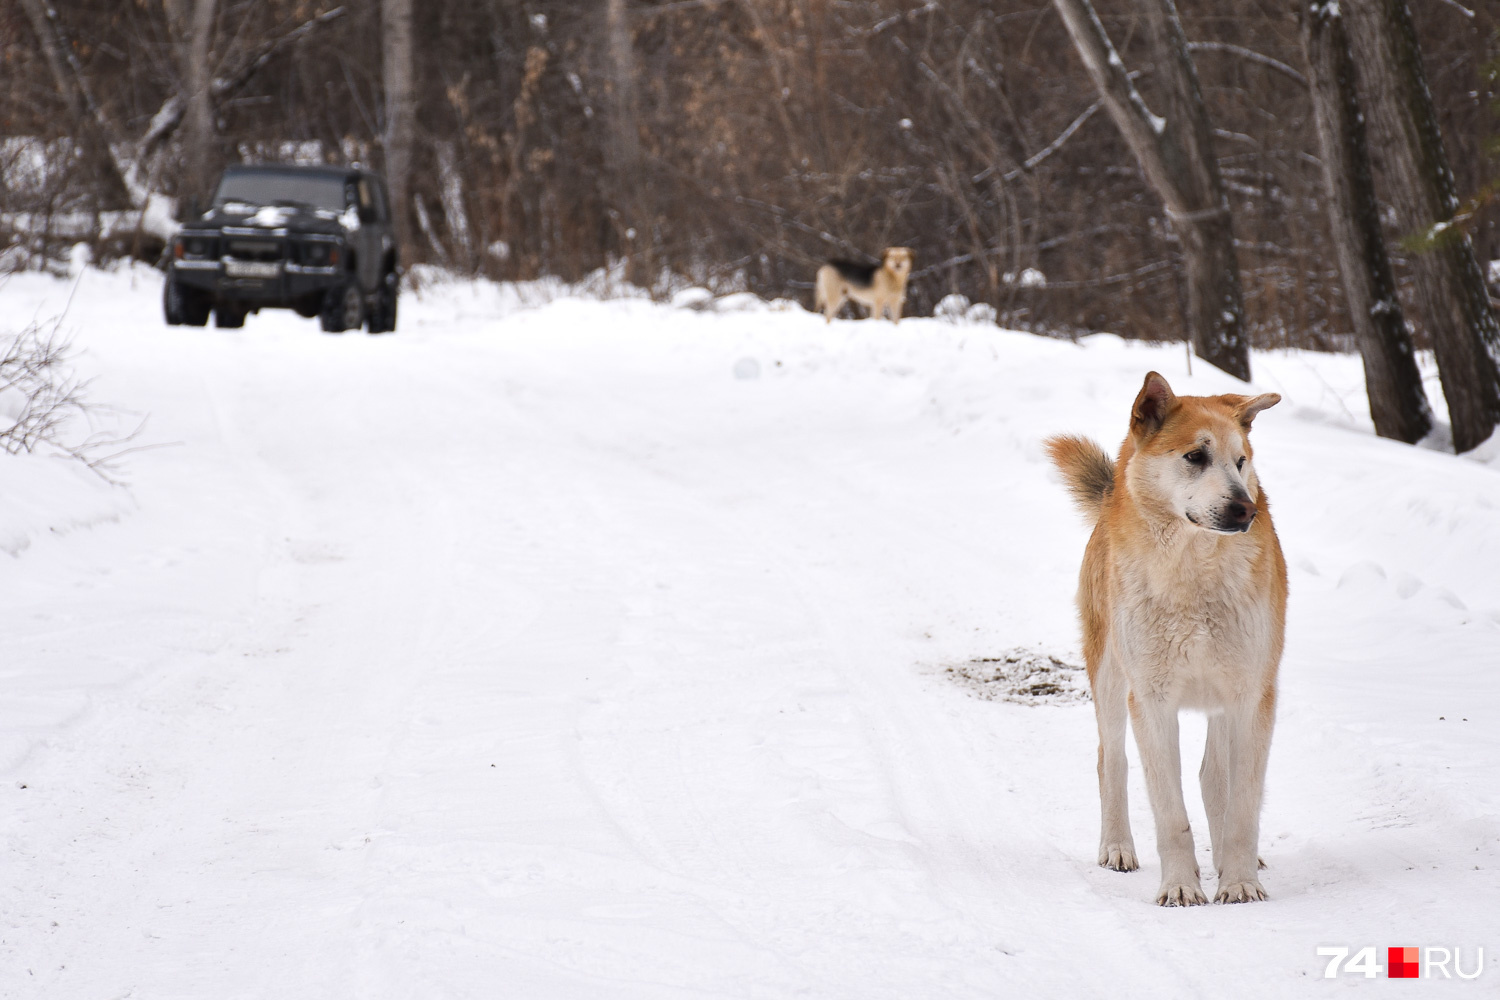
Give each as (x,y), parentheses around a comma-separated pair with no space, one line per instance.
(540,645)
(45,495)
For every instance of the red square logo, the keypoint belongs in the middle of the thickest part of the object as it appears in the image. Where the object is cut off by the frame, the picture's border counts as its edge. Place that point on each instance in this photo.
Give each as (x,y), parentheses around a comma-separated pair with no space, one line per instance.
(1403,963)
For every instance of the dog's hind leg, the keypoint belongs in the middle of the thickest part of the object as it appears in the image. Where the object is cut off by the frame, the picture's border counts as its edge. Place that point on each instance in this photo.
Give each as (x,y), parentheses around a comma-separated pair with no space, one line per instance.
(1213,779)
(1155,723)
(1249,746)
(821,301)
(827,293)
(1116,845)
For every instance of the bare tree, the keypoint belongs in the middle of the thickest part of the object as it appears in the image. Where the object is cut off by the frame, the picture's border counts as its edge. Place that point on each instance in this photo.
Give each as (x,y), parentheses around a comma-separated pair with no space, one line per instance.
(1398,405)
(194,29)
(1176,155)
(399,75)
(624,102)
(1450,296)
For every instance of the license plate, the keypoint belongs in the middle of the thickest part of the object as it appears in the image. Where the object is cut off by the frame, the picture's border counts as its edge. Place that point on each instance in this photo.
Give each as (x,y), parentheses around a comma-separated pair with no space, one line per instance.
(252,268)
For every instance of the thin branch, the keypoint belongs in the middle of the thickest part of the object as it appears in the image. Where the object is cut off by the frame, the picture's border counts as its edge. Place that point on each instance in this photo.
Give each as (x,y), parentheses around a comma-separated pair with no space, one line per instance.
(1114,279)
(668,8)
(1250,55)
(909,16)
(1466,12)
(786,217)
(1109,279)
(1036,160)
(169,116)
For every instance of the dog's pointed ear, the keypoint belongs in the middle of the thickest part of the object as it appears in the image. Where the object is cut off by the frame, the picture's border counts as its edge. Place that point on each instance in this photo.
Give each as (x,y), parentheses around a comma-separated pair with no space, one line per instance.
(1246,407)
(1152,406)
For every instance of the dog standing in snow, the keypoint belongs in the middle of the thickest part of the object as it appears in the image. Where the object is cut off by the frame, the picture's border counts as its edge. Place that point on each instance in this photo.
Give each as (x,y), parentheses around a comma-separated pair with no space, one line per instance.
(1183,599)
(881,288)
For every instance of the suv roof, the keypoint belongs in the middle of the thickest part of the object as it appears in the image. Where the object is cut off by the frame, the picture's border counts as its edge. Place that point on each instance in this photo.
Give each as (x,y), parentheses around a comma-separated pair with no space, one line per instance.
(285,168)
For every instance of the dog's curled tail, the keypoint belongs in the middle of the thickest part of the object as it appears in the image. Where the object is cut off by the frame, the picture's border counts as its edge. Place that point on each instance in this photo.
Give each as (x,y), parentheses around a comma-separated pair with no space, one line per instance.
(1087,469)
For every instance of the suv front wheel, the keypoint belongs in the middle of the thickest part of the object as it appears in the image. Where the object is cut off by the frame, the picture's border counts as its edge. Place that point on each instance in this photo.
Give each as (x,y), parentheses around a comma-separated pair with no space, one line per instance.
(343,309)
(183,306)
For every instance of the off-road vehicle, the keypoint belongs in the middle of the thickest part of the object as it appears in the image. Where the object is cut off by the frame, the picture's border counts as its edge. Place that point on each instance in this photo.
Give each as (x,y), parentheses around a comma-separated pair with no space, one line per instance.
(315,239)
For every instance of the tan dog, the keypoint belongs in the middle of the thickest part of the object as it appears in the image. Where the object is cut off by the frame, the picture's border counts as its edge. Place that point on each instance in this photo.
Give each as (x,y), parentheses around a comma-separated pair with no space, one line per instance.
(1183,599)
(879,287)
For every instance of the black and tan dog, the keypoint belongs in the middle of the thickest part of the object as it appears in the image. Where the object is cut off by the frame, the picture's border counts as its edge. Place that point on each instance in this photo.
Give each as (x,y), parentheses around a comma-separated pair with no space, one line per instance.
(881,288)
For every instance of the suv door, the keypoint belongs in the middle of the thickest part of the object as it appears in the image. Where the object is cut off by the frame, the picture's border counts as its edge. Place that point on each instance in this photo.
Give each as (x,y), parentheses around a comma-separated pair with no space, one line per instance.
(372,226)
(387,226)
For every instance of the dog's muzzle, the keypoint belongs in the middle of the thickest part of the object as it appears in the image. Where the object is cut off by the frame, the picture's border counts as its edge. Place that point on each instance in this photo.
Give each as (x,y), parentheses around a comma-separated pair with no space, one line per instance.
(1239,515)
(1236,517)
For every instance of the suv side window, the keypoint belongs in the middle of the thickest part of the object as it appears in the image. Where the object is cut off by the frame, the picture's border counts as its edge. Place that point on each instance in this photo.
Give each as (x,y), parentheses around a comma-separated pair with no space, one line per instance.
(367,210)
(382,205)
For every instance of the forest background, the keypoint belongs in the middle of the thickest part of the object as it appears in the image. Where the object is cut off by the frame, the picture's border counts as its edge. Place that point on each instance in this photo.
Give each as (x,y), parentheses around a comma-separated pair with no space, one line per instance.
(735,143)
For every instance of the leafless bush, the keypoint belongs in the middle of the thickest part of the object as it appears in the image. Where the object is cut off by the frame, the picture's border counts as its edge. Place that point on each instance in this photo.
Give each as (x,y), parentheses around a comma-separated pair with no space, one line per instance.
(44,407)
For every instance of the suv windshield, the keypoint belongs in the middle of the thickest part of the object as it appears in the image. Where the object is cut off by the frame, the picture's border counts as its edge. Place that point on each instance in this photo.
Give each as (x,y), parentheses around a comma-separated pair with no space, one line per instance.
(266,187)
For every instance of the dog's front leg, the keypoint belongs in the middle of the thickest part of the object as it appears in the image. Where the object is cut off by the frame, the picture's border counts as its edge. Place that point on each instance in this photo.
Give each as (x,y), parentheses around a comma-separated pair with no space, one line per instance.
(1155,724)
(1116,845)
(1249,746)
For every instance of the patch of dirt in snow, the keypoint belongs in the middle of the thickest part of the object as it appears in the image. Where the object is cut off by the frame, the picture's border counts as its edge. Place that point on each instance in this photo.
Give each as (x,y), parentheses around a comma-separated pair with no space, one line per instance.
(1023,676)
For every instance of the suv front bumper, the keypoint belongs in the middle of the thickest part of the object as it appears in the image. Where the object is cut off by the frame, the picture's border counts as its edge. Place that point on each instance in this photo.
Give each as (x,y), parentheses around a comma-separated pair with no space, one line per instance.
(282,282)
(278,277)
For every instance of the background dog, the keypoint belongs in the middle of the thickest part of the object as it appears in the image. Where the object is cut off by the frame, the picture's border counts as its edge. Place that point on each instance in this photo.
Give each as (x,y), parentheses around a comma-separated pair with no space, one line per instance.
(1183,599)
(881,288)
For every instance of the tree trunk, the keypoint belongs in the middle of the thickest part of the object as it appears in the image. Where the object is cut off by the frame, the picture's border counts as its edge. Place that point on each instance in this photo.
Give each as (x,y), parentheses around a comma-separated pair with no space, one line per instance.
(1398,405)
(631,189)
(624,108)
(400,110)
(198,137)
(1450,296)
(451,194)
(1176,155)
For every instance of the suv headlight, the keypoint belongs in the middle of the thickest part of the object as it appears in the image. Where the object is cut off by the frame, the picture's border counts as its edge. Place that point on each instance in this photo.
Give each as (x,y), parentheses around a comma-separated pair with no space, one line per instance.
(320,253)
(190,247)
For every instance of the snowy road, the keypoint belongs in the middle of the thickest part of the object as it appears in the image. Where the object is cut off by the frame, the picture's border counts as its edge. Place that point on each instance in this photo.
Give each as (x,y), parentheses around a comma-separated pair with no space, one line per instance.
(530,653)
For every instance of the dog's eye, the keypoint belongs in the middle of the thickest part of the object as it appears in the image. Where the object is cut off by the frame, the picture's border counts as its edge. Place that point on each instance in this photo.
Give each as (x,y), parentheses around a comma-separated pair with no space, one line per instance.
(1241,463)
(1197,457)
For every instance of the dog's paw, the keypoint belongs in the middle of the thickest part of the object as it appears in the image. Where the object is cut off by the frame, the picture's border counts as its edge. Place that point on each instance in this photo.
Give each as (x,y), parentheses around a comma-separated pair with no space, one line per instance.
(1247,891)
(1118,857)
(1180,894)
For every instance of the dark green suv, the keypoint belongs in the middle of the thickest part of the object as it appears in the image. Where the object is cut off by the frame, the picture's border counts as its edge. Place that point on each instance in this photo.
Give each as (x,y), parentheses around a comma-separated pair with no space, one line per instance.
(315,239)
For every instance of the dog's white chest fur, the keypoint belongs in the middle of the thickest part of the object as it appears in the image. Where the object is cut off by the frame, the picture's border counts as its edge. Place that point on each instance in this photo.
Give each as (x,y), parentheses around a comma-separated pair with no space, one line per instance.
(1193,628)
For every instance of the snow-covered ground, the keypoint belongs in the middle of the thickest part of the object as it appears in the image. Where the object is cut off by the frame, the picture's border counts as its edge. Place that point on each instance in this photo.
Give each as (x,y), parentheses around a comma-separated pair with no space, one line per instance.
(555,648)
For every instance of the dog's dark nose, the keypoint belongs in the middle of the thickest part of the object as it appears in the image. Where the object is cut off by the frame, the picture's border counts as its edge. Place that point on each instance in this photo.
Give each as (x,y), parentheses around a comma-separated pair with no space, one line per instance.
(1241,513)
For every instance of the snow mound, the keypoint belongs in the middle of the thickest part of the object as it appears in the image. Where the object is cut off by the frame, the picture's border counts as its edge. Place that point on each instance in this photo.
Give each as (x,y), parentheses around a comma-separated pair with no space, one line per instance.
(47,495)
